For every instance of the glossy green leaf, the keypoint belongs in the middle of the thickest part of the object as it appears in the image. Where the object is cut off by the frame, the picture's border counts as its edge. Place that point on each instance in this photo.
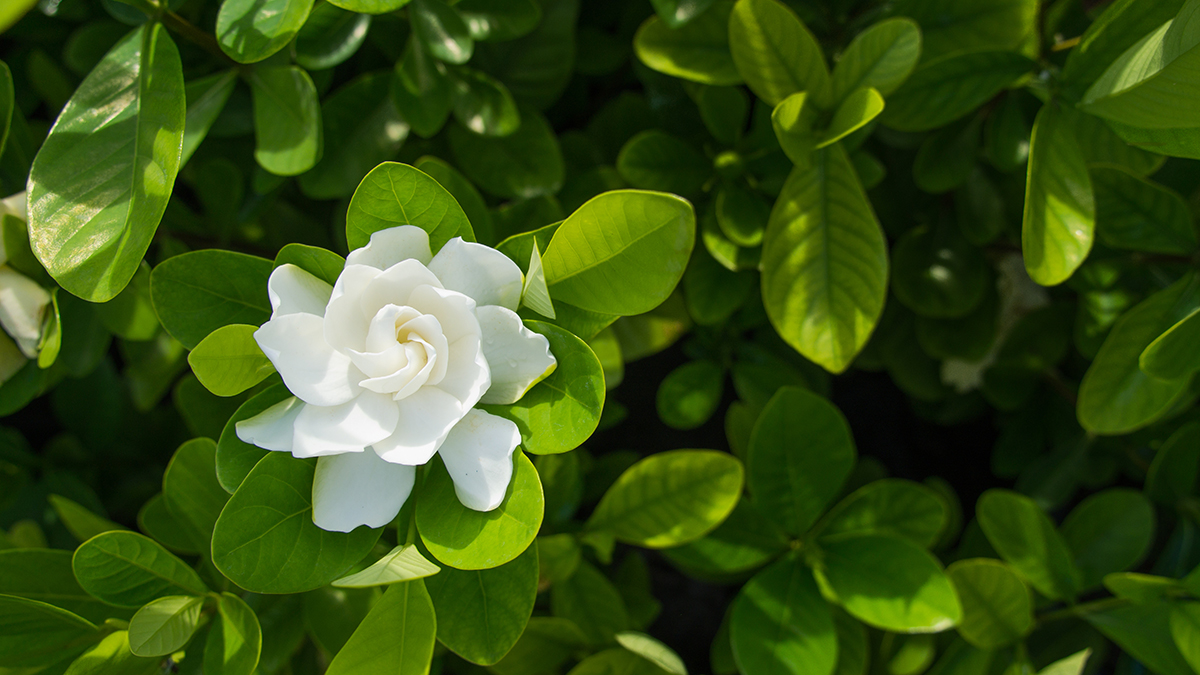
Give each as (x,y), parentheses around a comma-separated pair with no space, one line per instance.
(889,582)
(235,459)
(112,656)
(228,361)
(1071,665)
(403,563)
(265,540)
(394,194)
(948,88)
(591,601)
(198,292)
(997,607)
(670,498)
(1172,474)
(34,633)
(95,198)
(656,160)
(483,104)
(441,30)
(465,194)
(1135,214)
(744,541)
(499,20)
(164,625)
(889,506)
(697,51)
(792,121)
(653,651)
(854,112)
(370,6)
(1110,531)
(689,395)
(234,641)
(562,411)
(474,540)
(287,120)
(881,57)
(482,613)
(191,491)
(1018,529)
(781,624)
(801,453)
(622,252)
(12,12)
(824,262)
(776,54)
(127,569)
(1060,209)
(45,575)
(535,294)
(951,26)
(251,30)
(1118,27)
(397,636)
(330,36)
(1144,632)
(525,163)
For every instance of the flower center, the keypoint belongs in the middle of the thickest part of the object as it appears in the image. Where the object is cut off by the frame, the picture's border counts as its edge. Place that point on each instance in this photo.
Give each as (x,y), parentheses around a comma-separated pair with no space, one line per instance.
(404,351)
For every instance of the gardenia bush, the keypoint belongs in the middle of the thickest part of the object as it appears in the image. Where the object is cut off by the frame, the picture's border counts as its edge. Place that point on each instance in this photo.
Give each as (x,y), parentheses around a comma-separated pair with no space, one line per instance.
(543,337)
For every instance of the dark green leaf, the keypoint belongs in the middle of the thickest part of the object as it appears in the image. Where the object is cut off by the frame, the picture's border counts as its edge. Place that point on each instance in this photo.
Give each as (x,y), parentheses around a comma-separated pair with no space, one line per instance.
(198,292)
(441,30)
(781,624)
(330,36)
(655,160)
(1110,531)
(33,633)
(997,607)
(948,88)
(525,163)
(881,57)
(1135,214)
(287,120)
(129,570)
(1027,540)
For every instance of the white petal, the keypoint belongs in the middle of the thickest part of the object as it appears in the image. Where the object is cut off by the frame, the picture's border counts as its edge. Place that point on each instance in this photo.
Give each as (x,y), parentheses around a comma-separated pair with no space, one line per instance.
(310,368)
(467,373)
(293,290)
(22,306)
(478,455)
(390,246)
(518,357)
(11,358)
(271,429)
(394,285)
(403,382)
(454,311)
(15,206)
(480,272)
(385,325)
(359,489)
(345,323)
(349,427)
(425,419)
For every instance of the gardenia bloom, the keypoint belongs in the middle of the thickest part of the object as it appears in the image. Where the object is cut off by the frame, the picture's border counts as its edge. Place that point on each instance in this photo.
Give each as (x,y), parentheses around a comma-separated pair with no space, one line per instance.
(23,303)
(386,367)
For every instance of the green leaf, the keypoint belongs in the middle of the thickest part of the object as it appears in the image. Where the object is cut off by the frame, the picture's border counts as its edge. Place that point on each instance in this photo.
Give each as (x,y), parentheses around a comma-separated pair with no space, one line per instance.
(670,498)
(948,88)
(228,361)
(100,183)
(1140,587)
(546,643)
(191,491)
(499,20)
(1144,632)
(590,600)
(80,522)
(395,194)
(881,57)
(889,506)
(403,563)
(1116,396)
(724,111)
(131,314)
(251,30)
(947,157)
(1072,665)
(889,582)
(475,540)
(697,51)
(370,6)
(397,636)
(801,452)
(127,569)
(265,540)
(1060,209)
(1172,474)
(483,104)
(855,111)
(164,626)
(45,575)
(155,520)
(535,294)
(206,98)
(12,12)
(526,163)
(1135,214)
(1027,540)
(421,90)
(689,395)
(198,292)
(1101,145)
(781,624)
(776,54)
(653,651)
(537,67)
(1110,531)
(1185,628)
(33,633)
(7,102)
(623,252)
(235,641)
(112,656)
(330,36)
(997,607)
(792,121)
(824,267)
(235,459)
(562,411)
(938,274)
(464,193)
(287,120)
(1118,27)
(952,26)
(744,541)
(482,613)
(441,30)
(656,160)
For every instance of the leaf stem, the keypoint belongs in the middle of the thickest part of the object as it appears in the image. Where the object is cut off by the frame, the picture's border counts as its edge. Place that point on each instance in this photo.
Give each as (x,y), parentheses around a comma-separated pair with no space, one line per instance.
(1077,611)
(187,29)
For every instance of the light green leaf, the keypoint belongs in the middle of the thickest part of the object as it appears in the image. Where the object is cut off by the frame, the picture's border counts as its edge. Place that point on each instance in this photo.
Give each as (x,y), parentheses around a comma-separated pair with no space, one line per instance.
(591,601)
(653,651)
(888,582)
(394,194)
(251,30)
(854,112)
(265,540)
(1118,27)
(948,88)
(45,575)
(888,506)
(13,11)
(287,120)
(776,54)
(526,163)
(656,160)
(475,540)
(697,51)
(623,252)
(1027,540)
(165,625)
(781,624)
(100,183)
(483,104)
(1141,588)
(997,607)
(112,656)
(1060,209)
(1135,214)
(951,26)
(881,57)
(1144,632)
(1185,628)
(127,569)
(1110,531)
(792,121)
(441,30)
(824,267)
(744,541)
(535,295)
(482,613)
(801,453)
(1072,665)
(191,491)
(370,6)
(397,636)
(689,395)
(330,36)
(80,522)
(34,633)
(206,98)
(228,361)
(198,292)
(234,641)
(403,563)
(499,20)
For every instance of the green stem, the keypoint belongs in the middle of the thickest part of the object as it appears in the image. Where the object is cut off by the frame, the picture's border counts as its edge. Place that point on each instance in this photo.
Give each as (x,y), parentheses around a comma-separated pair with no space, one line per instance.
(185,28)
(1077,611)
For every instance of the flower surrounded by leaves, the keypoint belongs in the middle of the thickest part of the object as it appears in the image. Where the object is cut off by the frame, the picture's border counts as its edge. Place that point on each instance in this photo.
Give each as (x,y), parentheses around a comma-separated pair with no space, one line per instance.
(23,301)
(386,367)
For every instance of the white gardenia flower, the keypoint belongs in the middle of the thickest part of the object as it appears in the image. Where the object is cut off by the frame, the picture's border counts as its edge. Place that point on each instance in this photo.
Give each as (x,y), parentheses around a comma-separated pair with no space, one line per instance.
(387,365)
(23,303)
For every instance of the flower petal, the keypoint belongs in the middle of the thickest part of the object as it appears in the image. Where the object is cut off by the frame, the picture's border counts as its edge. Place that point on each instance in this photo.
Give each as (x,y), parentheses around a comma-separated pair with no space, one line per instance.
(518,357)
(15,205)
(390,246)
(310,368)
(294,290)
(271,429)
(454,311)
(467,374)
(425,418)
(22,305)
(349,427)
(394,285)
(479,272)
(359,489)
(478,455)
(346,324)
